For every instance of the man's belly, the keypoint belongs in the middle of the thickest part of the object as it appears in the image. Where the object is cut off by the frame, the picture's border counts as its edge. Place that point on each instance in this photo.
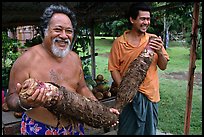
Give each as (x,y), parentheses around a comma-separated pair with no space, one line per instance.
(41,114)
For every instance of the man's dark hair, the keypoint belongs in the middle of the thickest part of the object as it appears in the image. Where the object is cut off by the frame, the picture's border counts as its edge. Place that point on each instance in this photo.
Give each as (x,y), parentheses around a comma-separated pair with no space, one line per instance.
(134,9)
(49,11)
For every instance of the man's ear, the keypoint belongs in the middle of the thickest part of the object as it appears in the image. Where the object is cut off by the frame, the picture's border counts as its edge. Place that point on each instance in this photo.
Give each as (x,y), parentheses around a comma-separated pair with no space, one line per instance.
(131,20)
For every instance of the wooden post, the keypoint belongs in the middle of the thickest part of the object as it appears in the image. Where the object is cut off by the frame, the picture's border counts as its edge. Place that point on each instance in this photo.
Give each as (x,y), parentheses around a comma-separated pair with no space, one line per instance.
(93,62)
(191,68)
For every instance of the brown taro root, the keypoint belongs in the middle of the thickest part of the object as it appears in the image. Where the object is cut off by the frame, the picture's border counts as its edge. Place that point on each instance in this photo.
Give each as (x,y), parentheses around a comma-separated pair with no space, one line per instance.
(132,79)
(71,104)
(5,107)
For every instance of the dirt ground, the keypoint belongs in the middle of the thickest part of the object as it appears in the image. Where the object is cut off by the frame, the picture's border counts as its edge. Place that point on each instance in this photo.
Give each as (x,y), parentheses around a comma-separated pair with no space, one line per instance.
(184,76)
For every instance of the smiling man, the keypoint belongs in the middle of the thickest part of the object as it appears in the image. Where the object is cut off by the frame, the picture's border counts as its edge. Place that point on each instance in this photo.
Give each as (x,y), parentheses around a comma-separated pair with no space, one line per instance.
(139,117)
(50,61)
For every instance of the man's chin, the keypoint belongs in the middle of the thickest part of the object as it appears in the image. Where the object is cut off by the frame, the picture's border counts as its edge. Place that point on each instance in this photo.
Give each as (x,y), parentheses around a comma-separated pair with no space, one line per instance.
(143,30)
(61,55)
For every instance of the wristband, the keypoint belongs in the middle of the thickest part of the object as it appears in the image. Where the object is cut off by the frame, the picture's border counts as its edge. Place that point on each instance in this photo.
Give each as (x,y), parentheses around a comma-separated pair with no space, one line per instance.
(25,109)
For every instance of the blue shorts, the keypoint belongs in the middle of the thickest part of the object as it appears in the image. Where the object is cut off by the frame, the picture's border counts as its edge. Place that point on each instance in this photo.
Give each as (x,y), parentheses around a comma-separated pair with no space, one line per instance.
(32,127)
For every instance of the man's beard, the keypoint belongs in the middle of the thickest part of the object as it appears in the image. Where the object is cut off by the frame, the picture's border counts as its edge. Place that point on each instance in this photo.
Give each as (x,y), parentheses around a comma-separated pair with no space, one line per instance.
(57,51)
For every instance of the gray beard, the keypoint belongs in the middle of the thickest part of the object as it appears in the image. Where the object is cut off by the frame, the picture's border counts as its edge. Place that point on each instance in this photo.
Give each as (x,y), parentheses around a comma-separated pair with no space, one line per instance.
(58,52)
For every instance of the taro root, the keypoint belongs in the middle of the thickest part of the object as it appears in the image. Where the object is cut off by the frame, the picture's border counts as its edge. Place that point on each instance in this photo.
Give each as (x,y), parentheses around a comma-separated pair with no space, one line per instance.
(99,95)
(132,79)
(18,114)
(5,107)
(67,104)
(107,94)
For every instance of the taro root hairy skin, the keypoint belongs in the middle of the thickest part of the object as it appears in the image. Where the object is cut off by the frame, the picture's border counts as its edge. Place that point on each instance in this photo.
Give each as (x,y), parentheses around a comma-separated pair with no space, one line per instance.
(74,105)
(133,78)
(91,112)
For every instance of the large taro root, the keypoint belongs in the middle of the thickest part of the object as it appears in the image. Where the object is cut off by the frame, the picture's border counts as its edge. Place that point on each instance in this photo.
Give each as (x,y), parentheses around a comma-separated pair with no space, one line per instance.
(133,77)
(71,104)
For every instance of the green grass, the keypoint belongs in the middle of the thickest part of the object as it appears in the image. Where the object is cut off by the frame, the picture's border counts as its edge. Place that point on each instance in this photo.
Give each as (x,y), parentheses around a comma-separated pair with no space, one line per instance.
(172,106)
(103,48)
(179,60)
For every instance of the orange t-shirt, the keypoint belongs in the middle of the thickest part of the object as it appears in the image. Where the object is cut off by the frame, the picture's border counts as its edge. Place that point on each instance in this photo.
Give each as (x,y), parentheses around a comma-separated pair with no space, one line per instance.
(122,54)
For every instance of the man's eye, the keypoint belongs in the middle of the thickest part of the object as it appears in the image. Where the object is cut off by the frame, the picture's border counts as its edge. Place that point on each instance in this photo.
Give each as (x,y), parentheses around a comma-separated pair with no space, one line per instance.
(60,30)
(57,29)
(142,19)
(68,31)
(145,19)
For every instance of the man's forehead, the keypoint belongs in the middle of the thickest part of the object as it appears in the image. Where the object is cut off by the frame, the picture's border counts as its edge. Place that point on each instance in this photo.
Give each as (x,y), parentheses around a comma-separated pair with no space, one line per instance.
(144,13)
(60,20)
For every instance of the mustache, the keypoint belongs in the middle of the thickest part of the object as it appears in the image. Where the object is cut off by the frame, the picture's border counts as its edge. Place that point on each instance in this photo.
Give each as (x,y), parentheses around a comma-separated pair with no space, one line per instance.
(61,40)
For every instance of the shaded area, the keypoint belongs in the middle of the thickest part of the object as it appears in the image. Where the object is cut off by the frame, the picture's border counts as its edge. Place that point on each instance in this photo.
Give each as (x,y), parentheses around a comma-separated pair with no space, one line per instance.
(28,13)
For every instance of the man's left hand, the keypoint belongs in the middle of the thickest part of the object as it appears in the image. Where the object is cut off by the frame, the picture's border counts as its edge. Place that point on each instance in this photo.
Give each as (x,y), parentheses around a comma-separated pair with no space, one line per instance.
(115,111)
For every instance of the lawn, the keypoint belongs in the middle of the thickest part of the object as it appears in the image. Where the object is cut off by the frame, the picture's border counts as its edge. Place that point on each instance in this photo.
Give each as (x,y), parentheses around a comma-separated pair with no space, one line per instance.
(173,87)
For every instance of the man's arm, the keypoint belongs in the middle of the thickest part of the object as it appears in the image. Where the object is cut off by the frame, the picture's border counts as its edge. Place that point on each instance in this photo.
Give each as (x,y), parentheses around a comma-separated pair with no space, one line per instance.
(162,61)
(116,77)
(17,74)
(83,89)
(158,47)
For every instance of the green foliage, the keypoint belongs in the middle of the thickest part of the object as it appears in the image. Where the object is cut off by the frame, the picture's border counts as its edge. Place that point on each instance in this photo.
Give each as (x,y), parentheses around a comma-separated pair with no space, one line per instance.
(103,29)
(82,44)
(199,43)
(36,40)
(9,55)
(199,36)
(118,27)
(176,18)
(82,48)
(112,28)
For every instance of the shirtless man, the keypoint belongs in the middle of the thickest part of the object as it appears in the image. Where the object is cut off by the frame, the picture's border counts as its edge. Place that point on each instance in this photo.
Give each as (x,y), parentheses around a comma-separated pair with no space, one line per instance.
(50,61)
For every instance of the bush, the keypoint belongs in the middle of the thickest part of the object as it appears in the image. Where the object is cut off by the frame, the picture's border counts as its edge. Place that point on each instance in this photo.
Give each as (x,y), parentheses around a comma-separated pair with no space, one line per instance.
(9,55)
(199,44)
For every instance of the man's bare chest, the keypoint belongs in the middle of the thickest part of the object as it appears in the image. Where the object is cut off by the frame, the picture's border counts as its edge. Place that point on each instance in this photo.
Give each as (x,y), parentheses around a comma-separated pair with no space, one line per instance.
(62,75)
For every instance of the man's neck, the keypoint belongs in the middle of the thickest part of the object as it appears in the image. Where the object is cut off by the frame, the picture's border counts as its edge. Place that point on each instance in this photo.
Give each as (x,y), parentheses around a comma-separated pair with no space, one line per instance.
(136,34)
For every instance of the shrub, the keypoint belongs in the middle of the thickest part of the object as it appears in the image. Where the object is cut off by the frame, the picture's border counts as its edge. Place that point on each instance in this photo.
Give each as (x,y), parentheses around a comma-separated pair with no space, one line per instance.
(9,55)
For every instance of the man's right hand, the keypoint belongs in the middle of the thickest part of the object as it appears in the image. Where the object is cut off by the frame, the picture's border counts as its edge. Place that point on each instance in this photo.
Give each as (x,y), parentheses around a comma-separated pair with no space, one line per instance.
(37,98)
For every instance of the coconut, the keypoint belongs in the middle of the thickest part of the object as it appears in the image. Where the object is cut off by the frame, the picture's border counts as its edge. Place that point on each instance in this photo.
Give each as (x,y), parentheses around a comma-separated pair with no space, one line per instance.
(100,77)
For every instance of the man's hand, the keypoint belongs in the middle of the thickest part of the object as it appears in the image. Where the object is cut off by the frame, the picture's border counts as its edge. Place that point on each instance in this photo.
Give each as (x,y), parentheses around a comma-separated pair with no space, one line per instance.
(37,98)
(157,45)
(115,111)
